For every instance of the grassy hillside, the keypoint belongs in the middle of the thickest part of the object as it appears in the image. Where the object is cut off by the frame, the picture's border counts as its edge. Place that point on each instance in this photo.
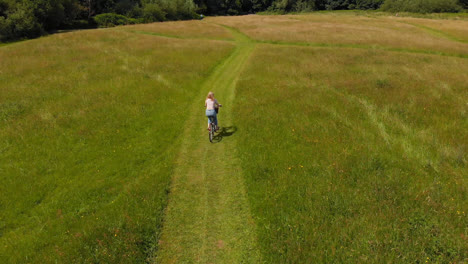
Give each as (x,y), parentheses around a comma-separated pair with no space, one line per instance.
(350,132)
(89,129)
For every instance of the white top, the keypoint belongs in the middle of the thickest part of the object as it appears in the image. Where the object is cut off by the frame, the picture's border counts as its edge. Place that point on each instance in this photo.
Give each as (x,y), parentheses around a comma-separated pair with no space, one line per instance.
(210,104)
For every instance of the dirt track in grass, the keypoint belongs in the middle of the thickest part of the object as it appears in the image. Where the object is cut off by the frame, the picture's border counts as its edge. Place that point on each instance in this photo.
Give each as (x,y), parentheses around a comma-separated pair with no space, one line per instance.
(208,219)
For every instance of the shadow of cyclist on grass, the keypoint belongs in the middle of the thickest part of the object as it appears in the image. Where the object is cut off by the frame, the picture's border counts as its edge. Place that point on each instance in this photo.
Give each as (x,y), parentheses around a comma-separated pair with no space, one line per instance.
(224,132)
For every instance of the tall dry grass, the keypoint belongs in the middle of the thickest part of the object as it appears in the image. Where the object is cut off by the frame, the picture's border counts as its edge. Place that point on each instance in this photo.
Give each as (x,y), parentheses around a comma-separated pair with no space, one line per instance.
(455,29)
(184,29)
(337,30)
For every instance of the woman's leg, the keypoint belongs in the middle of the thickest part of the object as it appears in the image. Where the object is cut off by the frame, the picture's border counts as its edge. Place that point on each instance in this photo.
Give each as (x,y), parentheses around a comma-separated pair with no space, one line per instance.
(212,114)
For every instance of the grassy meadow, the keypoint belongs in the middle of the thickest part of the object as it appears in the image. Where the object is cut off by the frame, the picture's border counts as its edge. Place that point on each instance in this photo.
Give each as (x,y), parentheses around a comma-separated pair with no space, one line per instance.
(351,131)
(345,30)
(89,123)
(372,160)
(182,29)
(354,155)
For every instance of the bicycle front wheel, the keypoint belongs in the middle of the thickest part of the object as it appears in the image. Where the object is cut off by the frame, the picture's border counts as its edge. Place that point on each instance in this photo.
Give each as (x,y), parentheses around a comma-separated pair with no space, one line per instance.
(211,132)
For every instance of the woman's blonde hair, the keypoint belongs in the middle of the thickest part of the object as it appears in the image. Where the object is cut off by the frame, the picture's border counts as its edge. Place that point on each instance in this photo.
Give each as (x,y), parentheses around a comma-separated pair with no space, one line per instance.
(210,95)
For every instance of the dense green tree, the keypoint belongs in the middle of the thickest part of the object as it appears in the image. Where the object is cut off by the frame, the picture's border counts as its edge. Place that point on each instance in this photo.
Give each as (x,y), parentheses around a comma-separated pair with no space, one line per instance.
(464,3)
(304,5)
(294,5)
(3,8)
(49,13)
(152,13)
(127,7)
(368,4)
(30,18)
(174,9)
(95,7)
(340,4)
(20,22)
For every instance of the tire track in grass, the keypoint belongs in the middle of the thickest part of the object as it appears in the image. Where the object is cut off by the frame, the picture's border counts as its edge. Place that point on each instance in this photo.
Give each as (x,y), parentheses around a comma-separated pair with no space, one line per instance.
(208,217)
(435,32)
(319,45)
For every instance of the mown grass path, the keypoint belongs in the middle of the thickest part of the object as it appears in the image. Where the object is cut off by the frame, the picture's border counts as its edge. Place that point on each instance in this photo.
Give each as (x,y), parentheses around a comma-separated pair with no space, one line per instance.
(208,218)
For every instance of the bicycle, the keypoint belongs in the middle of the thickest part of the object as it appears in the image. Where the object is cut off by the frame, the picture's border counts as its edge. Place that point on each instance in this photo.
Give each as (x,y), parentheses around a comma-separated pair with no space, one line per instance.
(212,129)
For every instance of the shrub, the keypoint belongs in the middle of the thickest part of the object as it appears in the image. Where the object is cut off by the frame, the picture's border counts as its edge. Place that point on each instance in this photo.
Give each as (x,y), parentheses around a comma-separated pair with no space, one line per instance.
(421,6)
(133,21)
(110,20)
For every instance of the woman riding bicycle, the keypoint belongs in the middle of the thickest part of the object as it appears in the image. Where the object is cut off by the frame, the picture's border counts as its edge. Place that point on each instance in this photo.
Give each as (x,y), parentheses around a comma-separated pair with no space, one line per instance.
(212,105)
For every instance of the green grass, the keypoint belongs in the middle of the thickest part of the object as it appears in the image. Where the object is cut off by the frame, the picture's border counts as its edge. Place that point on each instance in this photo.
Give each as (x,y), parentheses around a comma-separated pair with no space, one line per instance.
(356,155)
(208,216)
(89,132)
(349,132)
(454,16)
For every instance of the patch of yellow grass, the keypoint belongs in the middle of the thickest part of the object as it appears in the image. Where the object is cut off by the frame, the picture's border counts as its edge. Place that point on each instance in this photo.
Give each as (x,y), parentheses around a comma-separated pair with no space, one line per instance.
(184,29)
(344,29)
(455,28)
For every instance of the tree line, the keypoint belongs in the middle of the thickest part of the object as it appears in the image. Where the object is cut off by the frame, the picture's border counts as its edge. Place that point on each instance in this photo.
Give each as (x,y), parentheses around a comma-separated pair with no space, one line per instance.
(32,18)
